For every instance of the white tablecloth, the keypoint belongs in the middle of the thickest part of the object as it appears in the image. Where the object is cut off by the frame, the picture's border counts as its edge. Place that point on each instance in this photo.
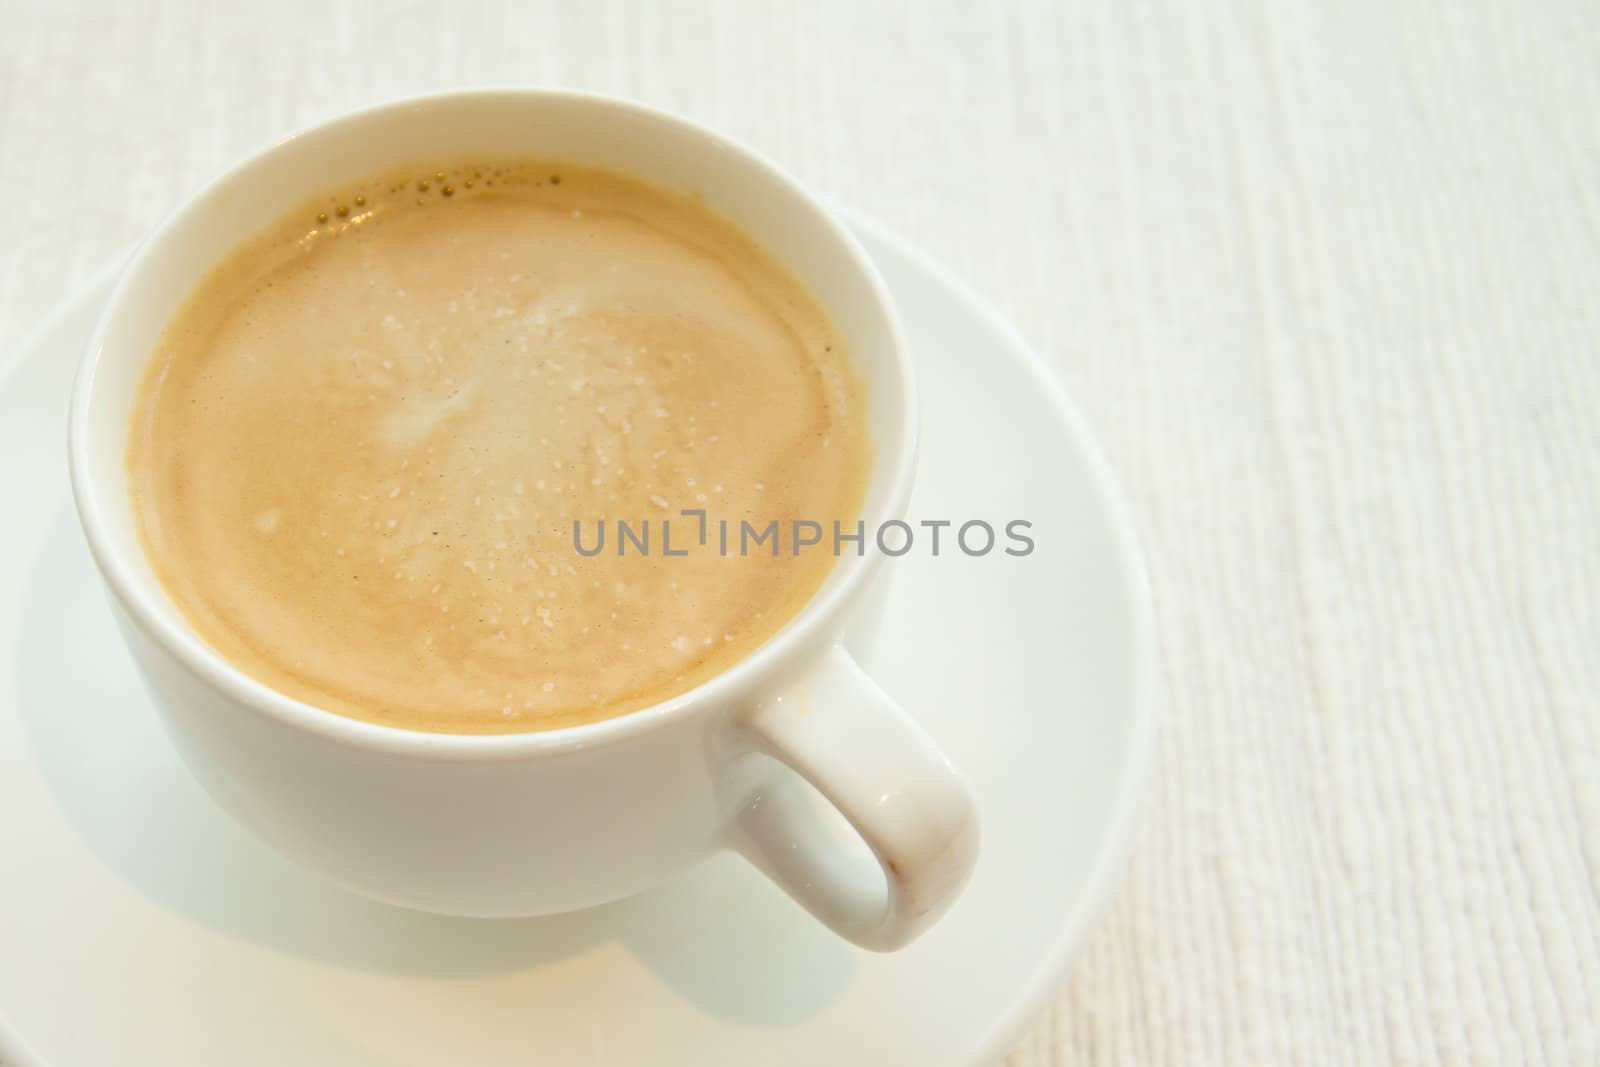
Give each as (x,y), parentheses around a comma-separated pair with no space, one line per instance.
(1326,280)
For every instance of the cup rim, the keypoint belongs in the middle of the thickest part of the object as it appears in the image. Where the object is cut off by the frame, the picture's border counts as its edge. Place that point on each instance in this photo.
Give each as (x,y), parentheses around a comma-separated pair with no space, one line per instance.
(161,619)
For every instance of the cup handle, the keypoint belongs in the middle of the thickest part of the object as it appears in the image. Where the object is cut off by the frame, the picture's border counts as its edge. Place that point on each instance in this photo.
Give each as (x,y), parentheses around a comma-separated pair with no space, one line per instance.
(866,756)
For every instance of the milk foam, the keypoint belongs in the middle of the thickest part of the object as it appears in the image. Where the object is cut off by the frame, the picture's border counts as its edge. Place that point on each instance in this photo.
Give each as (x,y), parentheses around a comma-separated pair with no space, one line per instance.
(361,449)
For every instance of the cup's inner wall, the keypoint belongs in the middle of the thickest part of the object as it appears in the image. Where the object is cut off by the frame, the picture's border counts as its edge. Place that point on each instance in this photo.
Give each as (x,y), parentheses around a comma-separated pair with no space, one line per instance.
(507,125)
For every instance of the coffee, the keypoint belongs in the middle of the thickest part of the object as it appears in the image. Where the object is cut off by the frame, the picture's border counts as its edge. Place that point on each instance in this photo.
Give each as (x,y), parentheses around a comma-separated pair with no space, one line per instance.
(363,442)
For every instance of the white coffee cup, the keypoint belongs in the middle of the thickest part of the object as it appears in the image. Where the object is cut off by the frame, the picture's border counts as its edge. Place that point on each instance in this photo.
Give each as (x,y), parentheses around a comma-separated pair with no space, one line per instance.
(529,824)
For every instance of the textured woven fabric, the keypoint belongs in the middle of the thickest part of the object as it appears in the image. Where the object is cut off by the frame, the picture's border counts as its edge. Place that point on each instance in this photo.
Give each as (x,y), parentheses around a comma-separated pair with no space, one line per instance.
(1326,280)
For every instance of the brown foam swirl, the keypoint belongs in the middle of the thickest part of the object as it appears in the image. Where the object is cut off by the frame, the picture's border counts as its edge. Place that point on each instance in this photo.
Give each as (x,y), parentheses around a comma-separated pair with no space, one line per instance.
(362,445)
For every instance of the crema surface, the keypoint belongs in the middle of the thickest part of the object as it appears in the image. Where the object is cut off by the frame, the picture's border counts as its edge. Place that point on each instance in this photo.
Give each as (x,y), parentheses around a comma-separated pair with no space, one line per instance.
(363,443)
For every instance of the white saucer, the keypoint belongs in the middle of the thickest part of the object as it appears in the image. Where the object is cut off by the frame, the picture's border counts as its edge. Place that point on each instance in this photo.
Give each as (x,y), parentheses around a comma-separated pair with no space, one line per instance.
(138,925)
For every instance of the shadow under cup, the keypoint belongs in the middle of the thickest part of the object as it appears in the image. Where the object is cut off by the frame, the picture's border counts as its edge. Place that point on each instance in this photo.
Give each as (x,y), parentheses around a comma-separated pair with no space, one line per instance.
(435,821)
